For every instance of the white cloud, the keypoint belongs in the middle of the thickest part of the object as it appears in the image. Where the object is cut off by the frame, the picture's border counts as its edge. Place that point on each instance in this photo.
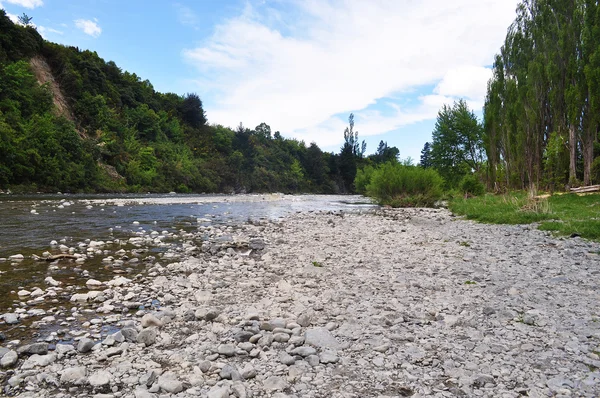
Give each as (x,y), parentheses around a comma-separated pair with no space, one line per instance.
(44,31)
(186,15)
(466,81)
(89,27)
(339,56)
(25,3)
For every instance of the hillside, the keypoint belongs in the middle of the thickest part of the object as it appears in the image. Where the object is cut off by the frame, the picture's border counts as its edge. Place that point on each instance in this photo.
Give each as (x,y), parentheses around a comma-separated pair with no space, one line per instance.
(73,122)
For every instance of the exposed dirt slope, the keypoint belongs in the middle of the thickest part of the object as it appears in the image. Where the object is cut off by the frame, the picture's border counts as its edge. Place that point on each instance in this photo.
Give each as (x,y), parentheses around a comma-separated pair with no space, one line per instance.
(44,75)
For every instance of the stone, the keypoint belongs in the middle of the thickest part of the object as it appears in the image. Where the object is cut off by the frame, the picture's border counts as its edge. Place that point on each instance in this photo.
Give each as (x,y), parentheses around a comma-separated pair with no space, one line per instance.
(74,375)
(99,379)
(130,334)
(42,360)
(227,350)
(85,345)
(218,392)
(328,357)
(304,351)
(304,320)
(275,383)
(139,393)
(9,359)
(248,372)
(206,314)
(321,338)
(170,385)
(35,348)
(281,337)
(243,336)
(229,372)
(151,320)
(286,358)
(11,318)
(63,349)
(147,336)
(313,360)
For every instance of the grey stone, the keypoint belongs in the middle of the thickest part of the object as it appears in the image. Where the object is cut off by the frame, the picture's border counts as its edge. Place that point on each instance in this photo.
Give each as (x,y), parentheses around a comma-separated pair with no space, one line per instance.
(11,318)
(100,378)
(130,334)
(227,350)
(229,372)
(313,360)
(248,372)
(206,314)
(139,393)
(286,358)
(42,360)
(275,383)
(151,320)
(35,348)
(304,320)
(304,351)
(243,336)
(170,385)
(328,357)
(218,392)
(147,336)
(9,359)
(85,345)
(321,338)
(74,375)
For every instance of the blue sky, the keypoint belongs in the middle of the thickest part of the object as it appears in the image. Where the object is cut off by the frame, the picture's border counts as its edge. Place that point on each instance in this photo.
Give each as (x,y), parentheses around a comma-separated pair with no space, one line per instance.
(301,66)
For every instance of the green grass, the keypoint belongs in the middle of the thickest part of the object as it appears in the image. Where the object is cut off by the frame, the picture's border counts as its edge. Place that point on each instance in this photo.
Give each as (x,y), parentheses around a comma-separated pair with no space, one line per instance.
(567,214)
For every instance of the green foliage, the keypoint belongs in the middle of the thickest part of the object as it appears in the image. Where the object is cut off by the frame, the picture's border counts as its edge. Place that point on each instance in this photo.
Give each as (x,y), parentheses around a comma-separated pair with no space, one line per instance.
(119,134)
(471,185)
(425,161)
(398,185)
(363,179)
(570,214)
(457,147)
(542,110)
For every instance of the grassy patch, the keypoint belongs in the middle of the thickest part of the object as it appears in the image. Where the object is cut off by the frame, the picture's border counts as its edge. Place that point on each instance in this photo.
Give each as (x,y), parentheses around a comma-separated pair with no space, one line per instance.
(566,214)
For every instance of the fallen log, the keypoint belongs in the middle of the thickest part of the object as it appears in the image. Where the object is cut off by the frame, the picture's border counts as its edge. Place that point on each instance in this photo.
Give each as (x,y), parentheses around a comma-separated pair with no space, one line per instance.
(591,188)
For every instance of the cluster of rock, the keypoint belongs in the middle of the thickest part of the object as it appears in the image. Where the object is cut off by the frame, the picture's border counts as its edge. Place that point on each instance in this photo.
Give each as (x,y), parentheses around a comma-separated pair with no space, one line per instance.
(390,304)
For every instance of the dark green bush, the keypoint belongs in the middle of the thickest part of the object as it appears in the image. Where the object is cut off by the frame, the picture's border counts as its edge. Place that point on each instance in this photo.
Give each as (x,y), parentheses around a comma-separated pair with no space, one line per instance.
(363,178)
(471,185)
(405,186)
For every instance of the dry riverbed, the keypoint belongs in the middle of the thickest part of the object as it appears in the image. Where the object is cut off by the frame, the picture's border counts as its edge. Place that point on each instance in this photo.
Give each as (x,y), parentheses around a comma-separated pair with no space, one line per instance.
(391,303)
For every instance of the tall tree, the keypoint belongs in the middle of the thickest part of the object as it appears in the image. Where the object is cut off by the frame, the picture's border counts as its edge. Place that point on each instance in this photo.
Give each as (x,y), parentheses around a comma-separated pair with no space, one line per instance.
(425,161)
(457,147)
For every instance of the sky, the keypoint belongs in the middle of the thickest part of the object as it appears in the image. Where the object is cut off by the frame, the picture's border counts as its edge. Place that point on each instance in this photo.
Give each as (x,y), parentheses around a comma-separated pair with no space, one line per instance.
(301,66)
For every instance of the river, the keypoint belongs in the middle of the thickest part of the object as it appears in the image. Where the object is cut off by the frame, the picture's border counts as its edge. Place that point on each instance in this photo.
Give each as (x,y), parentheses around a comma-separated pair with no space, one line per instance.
(32,225)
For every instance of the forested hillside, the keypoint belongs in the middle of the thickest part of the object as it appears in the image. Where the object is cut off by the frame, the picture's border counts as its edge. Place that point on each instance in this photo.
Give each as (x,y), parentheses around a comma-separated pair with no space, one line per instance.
(71,121)
(542,110)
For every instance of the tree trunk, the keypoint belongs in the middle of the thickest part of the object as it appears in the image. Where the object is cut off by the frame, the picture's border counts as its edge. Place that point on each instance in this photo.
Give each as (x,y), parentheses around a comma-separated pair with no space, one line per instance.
(573,154)
(588,155)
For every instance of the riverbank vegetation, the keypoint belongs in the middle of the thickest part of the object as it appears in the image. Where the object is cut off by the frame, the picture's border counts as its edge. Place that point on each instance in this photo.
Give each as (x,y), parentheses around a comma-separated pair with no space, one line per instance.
(73,122)
(564,214)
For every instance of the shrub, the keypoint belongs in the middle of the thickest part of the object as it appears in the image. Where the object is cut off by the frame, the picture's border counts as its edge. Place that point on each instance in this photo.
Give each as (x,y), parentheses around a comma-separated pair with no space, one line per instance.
(471,185)
(363,178)
(405,186)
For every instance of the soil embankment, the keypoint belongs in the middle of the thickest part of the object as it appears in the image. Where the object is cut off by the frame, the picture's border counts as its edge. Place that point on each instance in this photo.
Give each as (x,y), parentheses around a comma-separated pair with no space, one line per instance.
(397,303)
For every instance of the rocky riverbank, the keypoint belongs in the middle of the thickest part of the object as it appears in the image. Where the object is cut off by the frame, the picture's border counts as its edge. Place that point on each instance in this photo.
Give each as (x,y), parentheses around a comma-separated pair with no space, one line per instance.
(390,304)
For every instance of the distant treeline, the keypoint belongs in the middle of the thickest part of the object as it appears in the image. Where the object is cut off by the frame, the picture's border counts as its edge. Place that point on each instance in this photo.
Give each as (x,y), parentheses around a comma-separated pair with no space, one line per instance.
(95,128)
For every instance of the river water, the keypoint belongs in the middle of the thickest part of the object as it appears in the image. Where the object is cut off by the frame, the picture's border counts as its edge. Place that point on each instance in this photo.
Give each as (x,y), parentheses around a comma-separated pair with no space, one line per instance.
(30,224)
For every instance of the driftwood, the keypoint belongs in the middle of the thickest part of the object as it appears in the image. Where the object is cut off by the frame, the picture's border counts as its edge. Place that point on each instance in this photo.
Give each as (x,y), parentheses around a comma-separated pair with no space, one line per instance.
(58,257)
(591,188)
